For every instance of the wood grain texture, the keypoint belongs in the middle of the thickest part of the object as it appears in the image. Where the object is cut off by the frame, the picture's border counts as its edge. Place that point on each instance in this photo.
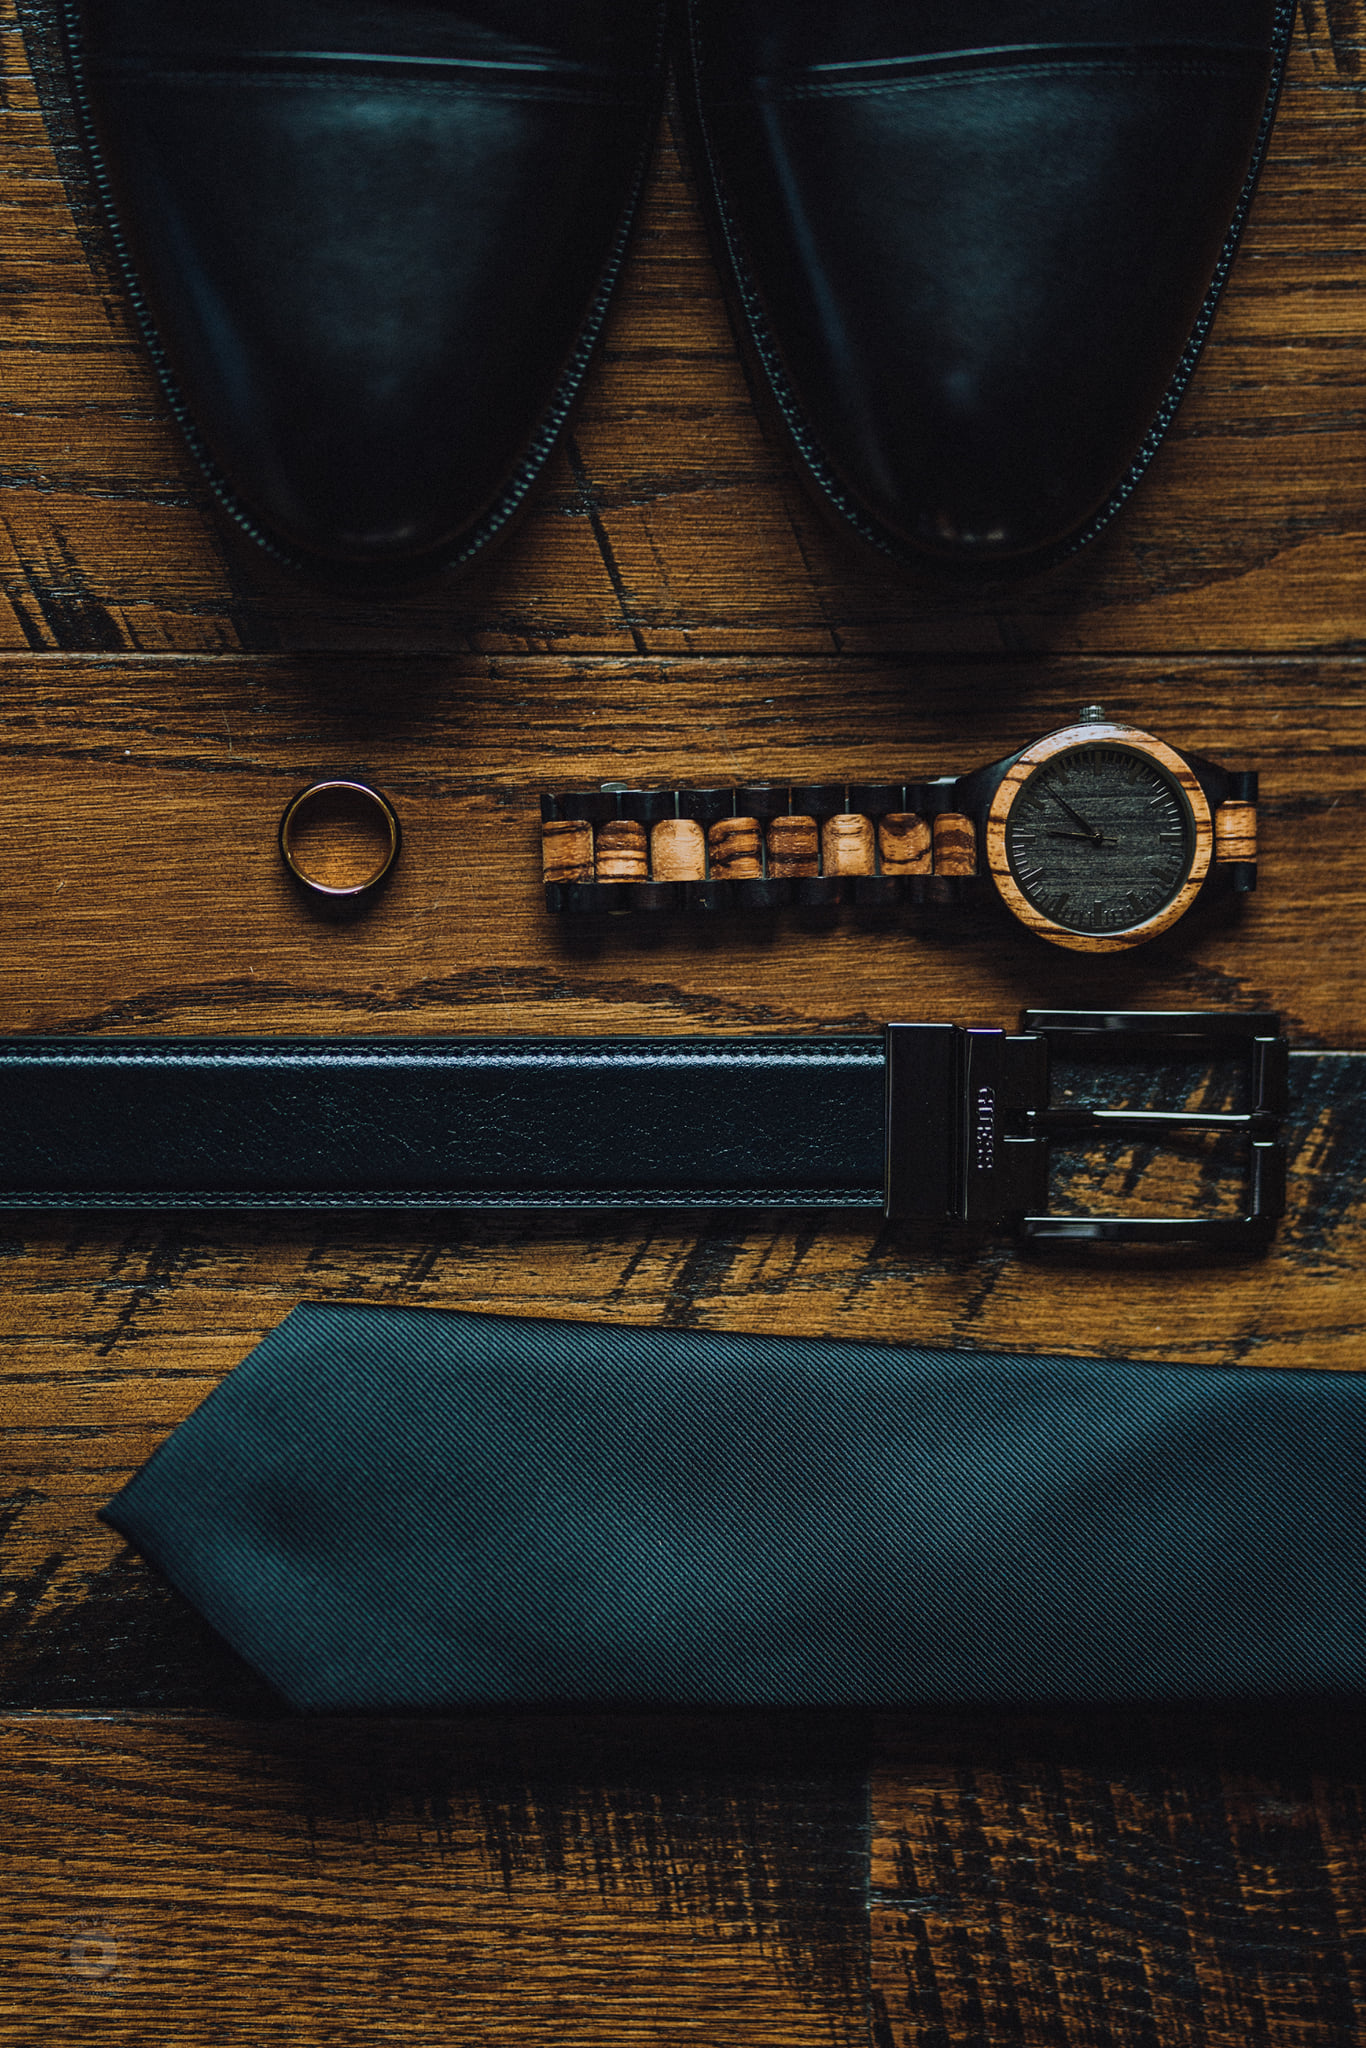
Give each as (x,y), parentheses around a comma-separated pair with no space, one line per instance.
(1235,832)
(671,609)
(955,845)
(847,844)
(678,851)
(464,1882)
(1172,1881)
(794,847)
(905,843)
(566,850)
(735,850)
(621,852)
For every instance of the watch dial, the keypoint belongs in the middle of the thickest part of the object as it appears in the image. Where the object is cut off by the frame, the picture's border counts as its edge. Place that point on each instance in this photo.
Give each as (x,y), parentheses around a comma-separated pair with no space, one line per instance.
(1100,839)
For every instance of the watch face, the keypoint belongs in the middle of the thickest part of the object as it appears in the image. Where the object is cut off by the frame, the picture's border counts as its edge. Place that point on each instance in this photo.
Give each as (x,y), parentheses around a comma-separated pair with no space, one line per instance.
(1100,839)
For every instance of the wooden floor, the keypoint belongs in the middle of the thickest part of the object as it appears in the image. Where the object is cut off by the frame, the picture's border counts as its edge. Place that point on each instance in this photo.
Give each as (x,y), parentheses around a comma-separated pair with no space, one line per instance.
(183,1863)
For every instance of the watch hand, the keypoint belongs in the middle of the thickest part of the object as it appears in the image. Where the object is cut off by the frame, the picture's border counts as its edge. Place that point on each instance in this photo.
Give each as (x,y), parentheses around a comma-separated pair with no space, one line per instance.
(1090,830)
(1092,838)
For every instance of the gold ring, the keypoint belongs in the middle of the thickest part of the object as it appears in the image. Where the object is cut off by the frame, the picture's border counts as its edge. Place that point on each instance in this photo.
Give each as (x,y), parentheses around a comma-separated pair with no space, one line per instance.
(333,814)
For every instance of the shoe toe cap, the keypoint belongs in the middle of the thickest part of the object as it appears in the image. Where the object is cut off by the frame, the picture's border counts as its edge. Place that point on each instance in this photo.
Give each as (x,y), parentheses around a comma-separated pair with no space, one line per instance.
(371,298)
(977,299)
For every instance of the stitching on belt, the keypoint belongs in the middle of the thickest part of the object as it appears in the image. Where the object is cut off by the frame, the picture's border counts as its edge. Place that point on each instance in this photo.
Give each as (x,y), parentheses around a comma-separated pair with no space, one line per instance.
(608,1053)
(561,1199)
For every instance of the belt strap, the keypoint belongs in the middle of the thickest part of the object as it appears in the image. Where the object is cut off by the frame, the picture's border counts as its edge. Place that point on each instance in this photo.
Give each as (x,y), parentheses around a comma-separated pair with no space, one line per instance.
(929,1122)
(462,1123)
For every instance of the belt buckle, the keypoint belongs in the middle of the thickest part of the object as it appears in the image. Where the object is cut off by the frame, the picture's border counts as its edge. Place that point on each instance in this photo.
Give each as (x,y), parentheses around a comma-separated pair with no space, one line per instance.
(970,1125)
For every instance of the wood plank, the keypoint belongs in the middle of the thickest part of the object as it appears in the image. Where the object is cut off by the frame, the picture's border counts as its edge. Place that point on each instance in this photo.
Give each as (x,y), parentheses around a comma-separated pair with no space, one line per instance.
(674,521)
(586,1883)
(130,785)
(672,603)
(1174,1881)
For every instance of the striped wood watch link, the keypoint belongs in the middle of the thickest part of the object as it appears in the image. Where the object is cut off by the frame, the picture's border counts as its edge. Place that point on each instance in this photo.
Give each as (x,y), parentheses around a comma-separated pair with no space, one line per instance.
(1096,837)
(757,847)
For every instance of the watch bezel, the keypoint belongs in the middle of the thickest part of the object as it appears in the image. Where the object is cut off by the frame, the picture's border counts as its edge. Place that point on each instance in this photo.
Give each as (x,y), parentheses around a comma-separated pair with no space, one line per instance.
(1022,771)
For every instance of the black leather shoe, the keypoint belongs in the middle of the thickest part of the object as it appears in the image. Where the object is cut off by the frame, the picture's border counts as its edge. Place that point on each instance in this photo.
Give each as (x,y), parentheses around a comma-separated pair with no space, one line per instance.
(370,243)
(976,244)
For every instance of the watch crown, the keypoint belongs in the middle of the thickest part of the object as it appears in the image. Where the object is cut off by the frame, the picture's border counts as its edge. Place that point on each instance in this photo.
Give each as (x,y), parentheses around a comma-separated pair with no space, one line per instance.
(1091,714)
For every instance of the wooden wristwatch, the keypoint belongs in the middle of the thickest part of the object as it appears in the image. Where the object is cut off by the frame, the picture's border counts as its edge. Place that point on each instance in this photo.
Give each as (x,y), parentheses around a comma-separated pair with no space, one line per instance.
(1100,836)
(1096,837)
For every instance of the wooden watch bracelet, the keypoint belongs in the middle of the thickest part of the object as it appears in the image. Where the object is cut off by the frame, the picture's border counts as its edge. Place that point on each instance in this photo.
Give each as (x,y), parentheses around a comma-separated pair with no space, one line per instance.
(760,846)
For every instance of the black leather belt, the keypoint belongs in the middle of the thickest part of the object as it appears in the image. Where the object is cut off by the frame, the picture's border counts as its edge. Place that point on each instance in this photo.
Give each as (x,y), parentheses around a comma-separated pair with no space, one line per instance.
(928,1122)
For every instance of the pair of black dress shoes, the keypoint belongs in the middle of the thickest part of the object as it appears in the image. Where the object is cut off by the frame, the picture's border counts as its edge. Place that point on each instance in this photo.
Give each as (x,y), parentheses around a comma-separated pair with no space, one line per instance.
(973,245)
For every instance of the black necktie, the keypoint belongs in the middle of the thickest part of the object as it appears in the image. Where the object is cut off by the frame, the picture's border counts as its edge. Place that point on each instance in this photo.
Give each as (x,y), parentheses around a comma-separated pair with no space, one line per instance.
(387,1508)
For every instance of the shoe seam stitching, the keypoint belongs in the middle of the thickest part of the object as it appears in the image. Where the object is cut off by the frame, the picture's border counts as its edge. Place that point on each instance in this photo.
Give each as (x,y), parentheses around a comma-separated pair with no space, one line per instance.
(810,450)
(539,447)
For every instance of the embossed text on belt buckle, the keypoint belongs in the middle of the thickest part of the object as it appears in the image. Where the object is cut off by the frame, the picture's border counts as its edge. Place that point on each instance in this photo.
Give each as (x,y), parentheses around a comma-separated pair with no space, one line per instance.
(970,1123)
